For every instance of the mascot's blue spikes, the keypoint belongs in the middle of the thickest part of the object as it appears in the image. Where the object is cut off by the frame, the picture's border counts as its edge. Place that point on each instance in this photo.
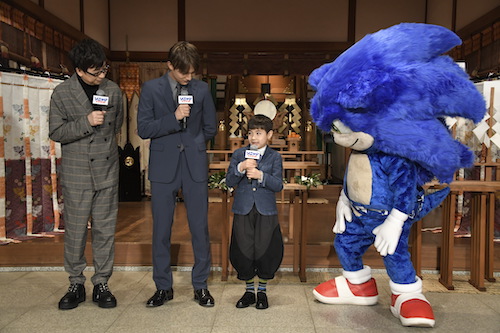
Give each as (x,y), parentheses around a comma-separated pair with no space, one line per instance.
(395,85)
(413,42)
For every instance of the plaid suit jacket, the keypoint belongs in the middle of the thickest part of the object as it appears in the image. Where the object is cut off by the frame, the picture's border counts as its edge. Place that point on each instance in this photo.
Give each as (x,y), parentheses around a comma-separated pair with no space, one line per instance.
(90,157)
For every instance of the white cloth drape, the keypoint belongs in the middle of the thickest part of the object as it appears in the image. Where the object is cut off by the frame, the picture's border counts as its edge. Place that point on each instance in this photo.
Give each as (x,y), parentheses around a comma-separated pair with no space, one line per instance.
(29,196)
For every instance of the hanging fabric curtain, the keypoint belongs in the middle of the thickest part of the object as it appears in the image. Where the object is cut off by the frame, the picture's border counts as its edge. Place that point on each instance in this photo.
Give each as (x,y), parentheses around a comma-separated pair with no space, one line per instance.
(30,195)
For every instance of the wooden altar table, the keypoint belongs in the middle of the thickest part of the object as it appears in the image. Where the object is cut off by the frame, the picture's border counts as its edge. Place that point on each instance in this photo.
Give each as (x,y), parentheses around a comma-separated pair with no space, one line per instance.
(299,226)
(482,224)
(301,155)
(296,168)
(301,194)
(225,229)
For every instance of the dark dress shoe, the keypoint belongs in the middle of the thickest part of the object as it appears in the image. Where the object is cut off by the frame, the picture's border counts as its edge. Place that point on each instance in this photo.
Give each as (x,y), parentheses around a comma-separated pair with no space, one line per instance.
(160,297)
(74,296)
(246,300)
(204,298)
(103,296)
(261,301)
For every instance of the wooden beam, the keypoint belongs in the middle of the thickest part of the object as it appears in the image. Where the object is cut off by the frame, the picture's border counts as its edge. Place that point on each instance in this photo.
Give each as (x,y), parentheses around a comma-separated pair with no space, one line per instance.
(82,16)
(454,16)
(109,24)
(331,48)
(480,24)
(30,8)
(426,9)
(351,22)
(181,20)
(271,47)
(137,56)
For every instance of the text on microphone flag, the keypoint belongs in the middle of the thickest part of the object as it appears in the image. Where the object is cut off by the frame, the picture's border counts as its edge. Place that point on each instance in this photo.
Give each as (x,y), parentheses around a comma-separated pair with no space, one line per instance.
(252,154)
(100,100)
(185,99)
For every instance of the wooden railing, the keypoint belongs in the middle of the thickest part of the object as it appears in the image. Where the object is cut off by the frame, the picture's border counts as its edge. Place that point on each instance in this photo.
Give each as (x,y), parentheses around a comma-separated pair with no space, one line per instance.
(294,163)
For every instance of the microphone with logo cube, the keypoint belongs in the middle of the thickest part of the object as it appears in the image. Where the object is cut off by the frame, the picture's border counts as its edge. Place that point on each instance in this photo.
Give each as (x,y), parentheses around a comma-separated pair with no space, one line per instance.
(100,101)
(252,153)
(184,98)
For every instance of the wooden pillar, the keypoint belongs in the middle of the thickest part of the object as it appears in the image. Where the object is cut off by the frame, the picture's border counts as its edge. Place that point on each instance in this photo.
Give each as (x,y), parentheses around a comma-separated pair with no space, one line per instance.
(224,236)
(448,241)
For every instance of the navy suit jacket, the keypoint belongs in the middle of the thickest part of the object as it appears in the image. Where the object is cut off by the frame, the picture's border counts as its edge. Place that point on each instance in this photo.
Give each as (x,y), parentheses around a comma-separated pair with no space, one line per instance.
(156,121)
(262,194)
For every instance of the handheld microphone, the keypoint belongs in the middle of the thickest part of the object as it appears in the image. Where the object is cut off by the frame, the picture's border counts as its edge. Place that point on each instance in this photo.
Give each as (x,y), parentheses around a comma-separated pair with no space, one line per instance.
(254,154)
(100,100)
(184,98)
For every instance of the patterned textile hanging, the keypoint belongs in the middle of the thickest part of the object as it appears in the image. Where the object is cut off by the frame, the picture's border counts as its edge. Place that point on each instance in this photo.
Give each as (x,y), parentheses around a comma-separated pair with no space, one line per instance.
(29,191)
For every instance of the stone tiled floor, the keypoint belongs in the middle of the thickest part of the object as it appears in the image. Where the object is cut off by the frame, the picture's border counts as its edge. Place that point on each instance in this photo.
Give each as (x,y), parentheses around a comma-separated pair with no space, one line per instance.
(28,303)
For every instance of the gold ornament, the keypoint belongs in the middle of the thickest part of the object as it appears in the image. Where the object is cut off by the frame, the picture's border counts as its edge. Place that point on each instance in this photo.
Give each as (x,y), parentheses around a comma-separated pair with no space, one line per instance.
(129,161)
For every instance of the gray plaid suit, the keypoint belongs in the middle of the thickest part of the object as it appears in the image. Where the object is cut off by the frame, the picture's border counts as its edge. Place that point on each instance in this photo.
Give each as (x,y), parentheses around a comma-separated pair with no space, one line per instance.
(89,175)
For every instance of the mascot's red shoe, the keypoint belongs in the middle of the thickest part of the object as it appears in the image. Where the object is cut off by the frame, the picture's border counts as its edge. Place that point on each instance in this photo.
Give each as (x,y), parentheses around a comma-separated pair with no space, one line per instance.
(411,307)
(357,288)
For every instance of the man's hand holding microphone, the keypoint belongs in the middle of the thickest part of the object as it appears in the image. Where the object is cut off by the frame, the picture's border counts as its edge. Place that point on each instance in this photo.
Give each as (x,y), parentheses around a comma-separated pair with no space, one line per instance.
(182,111)
(96,117)
(184,100)
(99,102)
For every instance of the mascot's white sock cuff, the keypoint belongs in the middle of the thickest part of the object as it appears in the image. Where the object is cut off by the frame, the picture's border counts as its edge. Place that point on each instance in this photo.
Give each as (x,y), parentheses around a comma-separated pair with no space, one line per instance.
(358,277)
(398,289)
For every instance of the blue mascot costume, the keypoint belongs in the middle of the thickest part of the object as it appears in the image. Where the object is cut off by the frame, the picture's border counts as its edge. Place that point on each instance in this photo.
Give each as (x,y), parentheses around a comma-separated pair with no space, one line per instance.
(386,98)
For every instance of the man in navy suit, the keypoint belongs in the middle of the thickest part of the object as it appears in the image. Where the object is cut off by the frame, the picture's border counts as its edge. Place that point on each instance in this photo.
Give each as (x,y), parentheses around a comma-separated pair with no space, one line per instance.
(178,160)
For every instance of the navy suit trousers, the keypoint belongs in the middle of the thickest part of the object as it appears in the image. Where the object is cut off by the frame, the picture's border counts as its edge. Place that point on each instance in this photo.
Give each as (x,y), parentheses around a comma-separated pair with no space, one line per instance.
(163,199)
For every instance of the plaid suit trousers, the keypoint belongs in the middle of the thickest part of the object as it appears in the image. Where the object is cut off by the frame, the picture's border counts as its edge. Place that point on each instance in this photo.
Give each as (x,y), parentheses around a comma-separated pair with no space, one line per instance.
(100,208)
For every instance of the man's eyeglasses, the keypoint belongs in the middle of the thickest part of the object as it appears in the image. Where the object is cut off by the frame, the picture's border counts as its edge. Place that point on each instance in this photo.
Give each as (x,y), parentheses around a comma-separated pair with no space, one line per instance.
(103,70)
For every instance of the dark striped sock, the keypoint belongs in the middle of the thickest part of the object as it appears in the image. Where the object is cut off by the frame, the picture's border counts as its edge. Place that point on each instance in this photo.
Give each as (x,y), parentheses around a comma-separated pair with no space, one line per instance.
(262,285)
(250,286)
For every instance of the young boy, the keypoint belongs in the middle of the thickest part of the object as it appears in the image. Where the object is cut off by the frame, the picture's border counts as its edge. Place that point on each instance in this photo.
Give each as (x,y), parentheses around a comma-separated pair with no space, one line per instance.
(256,242)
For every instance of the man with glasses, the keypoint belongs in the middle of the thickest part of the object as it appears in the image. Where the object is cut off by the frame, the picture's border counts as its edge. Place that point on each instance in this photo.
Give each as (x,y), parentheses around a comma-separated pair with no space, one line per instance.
(85,116)
(103,70)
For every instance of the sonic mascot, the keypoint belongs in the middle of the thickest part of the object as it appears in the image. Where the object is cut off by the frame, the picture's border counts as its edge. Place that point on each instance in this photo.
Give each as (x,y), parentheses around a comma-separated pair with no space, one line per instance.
(386,98)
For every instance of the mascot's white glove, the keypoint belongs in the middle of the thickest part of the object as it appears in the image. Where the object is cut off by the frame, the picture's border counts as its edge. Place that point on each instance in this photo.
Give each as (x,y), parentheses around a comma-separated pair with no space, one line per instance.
(343,213)
(388,233)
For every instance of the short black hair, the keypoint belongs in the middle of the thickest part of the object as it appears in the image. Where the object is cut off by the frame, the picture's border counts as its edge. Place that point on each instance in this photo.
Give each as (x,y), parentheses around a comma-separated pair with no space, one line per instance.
(259,121)
(182,55)
(87,54)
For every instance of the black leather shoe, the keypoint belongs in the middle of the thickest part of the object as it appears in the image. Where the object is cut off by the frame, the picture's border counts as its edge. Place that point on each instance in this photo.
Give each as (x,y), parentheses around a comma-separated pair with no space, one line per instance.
(261,301)
(204,298)
(246,300)
(160,297)
(103,296)
(74,296)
